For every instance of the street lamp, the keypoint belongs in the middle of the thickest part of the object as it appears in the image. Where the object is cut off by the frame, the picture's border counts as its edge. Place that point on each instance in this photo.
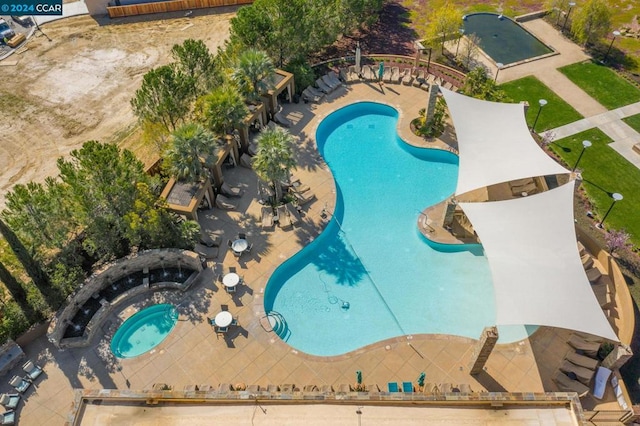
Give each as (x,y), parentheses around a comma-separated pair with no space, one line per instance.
(461,30)
(499,65)
(606,55)
(571,4)
(616,197)
(542,103)
(585,145)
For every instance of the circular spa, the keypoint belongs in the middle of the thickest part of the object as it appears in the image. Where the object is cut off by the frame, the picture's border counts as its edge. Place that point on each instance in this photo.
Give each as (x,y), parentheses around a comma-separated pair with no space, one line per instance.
(371,275)
(502,39)
(144,331)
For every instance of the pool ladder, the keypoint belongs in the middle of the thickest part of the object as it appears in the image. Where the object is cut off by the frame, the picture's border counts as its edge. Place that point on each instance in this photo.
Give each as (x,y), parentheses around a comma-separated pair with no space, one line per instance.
(275,322)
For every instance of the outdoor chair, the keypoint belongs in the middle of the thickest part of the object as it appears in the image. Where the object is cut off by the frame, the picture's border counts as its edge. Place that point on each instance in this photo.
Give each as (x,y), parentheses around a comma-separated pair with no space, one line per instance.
(284,220)
(372,388)
(249,247)
(309,96)
(582,361)
(234,321)
(323,86)
(230,191)
(587,261)
(303,198)
(231,289)
(419,80)
(587,347)
(445,388)
(281,119)
(395,75)
(600,382)
(233,270)
(344,388)
(581,373)
(464,388)
(222,330)
(593,275)
(253,388)
(601,291)
(326,388)
(242,236)
(267,217)
(209,239)
(224,203)
(211,321)
(32,370)
(246,161)
(10,400)
(407,387)
(566,384)
(393,387)
(8,417)
(333,85)
(335,77)
(20,384)
(407,79)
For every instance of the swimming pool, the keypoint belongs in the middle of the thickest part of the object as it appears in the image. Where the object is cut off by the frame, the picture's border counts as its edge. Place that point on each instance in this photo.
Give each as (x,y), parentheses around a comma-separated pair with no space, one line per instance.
(503,39)
(371,275)
(144,331)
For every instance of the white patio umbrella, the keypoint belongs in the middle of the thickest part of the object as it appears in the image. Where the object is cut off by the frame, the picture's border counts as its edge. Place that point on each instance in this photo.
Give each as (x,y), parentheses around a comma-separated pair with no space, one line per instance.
(358,57)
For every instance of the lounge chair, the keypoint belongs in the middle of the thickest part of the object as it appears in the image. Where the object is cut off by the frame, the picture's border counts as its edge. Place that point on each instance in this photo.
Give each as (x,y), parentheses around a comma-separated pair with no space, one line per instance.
(303,198)
(407,387)
(600,382)
(588,348)
(254,388)
(395,75)
(33,371)
(284,221)
(587,261)
(246,161)
(267,217)
(351,75)
(368,73)
(224,203)
(206,252)
(281,119)
(252,149)
(601,291)
(310,97)
(326,388)
(419,80)
(447,85)
(294,214)
(429,388)
(10,400)
(446,388)
(310,388)
(323,86)
(334,76)
(566,384)
(288,388)
(333,85)
(386,75)
(8,417)
(582,374)
(273,388)
(393,387)
(210,239)
(582,361)
(20,384)
(581,249)
(593,275)
(230,191)
(372,388)
(464,388)
(344,388)
(408,77)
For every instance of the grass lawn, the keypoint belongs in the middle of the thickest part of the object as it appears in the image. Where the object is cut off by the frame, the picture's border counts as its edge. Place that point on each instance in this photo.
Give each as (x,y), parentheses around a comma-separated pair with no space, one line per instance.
(602,84)
(604,172)
(633,121)
(556,113)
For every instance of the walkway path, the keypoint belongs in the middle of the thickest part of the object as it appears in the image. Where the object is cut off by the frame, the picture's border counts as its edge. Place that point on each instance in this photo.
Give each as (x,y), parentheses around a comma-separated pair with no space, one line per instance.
(546,70)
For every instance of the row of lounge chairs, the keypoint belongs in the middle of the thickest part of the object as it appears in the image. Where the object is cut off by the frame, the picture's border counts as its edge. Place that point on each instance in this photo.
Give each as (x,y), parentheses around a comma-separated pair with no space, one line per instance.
(10,401)
(602,290)
(326,84)
(409,77)
(406,387)
(579,366)
(286,215)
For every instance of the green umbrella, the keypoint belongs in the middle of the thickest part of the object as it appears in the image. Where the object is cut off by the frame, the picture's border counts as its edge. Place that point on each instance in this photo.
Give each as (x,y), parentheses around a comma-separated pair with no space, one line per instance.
(380,70)
(359,377)
(421,379)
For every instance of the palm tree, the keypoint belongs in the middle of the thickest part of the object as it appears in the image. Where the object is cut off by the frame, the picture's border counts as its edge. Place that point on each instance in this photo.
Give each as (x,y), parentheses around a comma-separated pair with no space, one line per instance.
(251,72)
(189,143)
(222,109)
(274,159)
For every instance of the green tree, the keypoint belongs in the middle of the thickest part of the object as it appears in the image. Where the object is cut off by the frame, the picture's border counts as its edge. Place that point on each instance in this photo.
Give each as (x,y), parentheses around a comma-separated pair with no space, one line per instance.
(591,22)
(252,73)
(556,10)
(479,84)
(352,14)
(303,74)
(442,23)
(194,60)
(274,159)
(102,186)
(222,109)
(165,96)
(190,143)
(18,293)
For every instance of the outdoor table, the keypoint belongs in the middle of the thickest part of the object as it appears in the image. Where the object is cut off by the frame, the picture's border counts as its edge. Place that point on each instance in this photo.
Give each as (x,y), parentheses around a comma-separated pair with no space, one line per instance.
(239,246)
(223,319)
(231,280)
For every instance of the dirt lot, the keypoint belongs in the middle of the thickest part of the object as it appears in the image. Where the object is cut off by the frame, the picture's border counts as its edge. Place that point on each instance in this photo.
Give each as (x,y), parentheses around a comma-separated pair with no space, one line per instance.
(57,94)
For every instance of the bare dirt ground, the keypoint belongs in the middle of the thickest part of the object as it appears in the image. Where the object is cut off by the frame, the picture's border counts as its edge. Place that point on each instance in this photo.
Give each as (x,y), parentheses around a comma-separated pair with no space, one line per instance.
(57,94)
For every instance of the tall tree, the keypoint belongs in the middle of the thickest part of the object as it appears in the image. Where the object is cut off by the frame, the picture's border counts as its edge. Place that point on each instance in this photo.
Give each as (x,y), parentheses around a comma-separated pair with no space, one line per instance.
(18,294)
(165,96)
(222,109)
(442,22)
(195,61)
(190,144)
(274,159)
(591,22)
(252,73)
(478,84)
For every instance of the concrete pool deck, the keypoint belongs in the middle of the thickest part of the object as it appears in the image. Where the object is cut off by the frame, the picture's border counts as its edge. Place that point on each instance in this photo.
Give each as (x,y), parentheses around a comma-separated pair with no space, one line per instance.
(192,354)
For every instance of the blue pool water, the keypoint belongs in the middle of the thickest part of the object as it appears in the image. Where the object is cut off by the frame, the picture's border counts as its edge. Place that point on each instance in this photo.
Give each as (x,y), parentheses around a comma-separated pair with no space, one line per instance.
(144,331)
(371,275)
(504,40)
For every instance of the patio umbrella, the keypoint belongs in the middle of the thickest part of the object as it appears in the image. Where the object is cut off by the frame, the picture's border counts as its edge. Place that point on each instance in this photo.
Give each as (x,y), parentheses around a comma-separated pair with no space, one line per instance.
(380,71)
(421,379)
(359,377)
(358,54)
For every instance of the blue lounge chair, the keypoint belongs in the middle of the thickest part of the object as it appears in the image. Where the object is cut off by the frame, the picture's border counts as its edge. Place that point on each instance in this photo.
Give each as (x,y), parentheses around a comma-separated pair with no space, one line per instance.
(407,387)
(8,418)
(10,400)
(393,387)
(33,371)
(19,383)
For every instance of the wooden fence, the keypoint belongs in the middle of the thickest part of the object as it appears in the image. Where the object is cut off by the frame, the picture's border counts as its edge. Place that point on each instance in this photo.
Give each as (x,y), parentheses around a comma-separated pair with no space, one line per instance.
(169,6)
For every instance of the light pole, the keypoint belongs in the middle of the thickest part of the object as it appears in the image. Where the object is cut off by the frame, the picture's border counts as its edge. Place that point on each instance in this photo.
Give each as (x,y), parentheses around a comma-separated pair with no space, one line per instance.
(616,197)
(606,55)
(542,103)
(585,145)
(461,30)
(571,4)
(499,65)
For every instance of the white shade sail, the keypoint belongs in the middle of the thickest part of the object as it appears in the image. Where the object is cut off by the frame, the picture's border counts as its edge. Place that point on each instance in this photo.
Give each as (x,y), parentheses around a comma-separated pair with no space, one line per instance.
(494,143)
(537,273)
